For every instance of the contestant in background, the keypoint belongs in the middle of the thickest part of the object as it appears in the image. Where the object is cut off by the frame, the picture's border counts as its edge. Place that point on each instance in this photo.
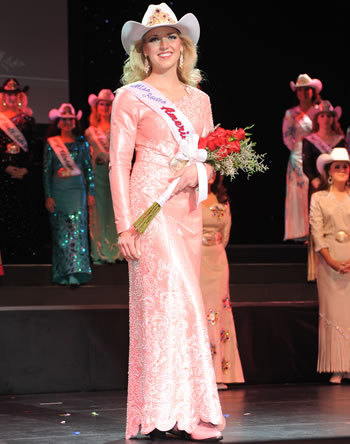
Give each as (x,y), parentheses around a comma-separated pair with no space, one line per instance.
(326,134)
(297,123)
(69,190)
(330,229)
(171,386)
(17,143)
(214,279)
(103,233)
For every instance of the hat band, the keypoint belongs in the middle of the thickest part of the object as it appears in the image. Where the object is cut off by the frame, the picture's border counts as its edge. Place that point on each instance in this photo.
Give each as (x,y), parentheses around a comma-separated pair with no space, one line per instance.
(159,17)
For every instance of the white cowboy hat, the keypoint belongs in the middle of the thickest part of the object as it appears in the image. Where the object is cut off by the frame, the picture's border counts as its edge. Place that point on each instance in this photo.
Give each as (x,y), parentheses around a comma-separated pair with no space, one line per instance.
(104,94)
(338,154)
(65,111)
(325,106)
(155,17)
(304,80)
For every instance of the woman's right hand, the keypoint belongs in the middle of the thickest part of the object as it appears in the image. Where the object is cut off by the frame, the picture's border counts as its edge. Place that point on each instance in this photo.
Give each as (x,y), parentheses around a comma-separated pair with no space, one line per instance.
(13,171)
(316,182)
(129,244)
(337,266)
(50,204)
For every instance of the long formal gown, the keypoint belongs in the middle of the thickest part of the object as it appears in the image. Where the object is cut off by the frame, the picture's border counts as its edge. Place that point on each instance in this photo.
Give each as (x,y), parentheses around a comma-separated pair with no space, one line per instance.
(296,125)
(17,231)
(171,374)
(69,222)
(313,146)
(214,280)
(328,216)
(103,233)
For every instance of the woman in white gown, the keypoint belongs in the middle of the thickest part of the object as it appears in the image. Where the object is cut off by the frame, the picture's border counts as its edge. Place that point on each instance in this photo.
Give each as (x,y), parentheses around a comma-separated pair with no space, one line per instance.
(330,228)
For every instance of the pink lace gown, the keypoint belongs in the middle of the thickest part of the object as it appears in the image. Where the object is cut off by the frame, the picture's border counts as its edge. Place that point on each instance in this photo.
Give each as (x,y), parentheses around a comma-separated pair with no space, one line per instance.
(171,375)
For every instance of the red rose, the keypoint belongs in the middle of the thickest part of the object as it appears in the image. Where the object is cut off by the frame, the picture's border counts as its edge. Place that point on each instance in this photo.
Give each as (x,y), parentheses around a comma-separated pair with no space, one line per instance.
(238,134)
(222,153)
(214,141)
(234,146)
(219,132)
(202,143)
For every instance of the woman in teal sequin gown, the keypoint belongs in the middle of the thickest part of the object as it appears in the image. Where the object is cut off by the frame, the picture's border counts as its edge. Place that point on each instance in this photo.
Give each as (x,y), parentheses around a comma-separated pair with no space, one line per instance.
(69,190)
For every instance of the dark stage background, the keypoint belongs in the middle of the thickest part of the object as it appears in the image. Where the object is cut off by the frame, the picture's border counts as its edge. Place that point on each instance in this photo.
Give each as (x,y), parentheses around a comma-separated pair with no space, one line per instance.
(249,53)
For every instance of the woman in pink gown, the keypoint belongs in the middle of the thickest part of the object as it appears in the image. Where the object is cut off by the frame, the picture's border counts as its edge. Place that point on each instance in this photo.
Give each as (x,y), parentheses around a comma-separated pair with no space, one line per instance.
(171,386)
(297,123)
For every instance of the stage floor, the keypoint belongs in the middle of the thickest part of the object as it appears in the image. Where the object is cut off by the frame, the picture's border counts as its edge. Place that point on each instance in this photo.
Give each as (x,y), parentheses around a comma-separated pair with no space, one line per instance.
(289,413)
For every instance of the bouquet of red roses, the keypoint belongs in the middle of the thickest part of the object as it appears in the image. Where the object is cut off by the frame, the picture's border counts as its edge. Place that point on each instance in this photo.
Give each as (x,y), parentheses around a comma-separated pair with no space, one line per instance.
(231,151)
(228,151)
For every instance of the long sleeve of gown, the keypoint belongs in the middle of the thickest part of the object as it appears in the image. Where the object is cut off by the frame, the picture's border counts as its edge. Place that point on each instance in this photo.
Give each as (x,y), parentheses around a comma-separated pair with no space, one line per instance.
(47,170)
(123,135)
(288,131)
(317,224)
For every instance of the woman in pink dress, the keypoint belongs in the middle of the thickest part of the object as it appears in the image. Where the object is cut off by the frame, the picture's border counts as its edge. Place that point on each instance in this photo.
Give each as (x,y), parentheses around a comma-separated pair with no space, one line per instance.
(171,385)
(297,123)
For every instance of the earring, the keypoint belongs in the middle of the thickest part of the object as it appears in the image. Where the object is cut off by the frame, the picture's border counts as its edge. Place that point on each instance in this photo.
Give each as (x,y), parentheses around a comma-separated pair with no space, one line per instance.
(330,180)
(146,66)
(181,61)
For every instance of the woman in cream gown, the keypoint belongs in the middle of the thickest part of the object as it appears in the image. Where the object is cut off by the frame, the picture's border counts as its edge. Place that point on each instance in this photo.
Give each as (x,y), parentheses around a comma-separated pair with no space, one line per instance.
(171,384)
(214,279)
(330,228)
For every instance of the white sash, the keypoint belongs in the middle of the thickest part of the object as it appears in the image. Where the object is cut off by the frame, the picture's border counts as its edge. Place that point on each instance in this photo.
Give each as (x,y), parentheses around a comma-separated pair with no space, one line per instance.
(182,131)
(11,130)
(64,156)
(320,144)
(100,139)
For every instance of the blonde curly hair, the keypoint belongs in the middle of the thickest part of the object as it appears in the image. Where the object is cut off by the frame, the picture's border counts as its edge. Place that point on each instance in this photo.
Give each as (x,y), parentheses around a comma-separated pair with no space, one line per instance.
(133,70)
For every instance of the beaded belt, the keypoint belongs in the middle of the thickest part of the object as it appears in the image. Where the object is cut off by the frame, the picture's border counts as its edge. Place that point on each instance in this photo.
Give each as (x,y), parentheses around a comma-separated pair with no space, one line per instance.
(342,236)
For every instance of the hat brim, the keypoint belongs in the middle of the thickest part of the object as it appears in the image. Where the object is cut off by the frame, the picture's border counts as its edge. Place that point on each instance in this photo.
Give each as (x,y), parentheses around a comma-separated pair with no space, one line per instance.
(322,160)
(55,114)
(325,158)
(134,31)
(315,83)
(337,112)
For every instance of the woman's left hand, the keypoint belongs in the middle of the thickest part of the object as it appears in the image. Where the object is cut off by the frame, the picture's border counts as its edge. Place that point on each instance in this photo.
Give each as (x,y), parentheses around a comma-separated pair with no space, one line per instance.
(345,266)
(189,177)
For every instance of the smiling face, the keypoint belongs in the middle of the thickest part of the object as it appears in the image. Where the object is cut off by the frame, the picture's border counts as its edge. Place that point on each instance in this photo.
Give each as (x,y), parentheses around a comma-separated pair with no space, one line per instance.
(104,108)
(304,94)
(163,47)
(325,120)
(339,171)
(66,124)
(11,100)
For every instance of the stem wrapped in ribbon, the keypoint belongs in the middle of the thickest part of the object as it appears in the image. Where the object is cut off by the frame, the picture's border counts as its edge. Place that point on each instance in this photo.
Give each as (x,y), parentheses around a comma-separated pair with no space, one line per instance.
(188,154)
